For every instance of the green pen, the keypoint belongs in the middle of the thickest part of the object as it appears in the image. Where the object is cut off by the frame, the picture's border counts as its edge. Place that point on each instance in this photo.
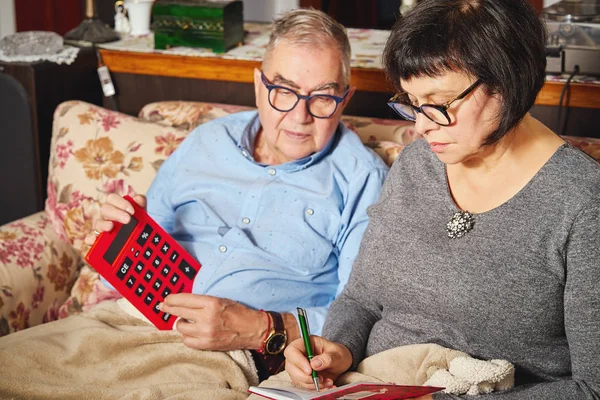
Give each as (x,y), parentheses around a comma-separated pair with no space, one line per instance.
(305,330)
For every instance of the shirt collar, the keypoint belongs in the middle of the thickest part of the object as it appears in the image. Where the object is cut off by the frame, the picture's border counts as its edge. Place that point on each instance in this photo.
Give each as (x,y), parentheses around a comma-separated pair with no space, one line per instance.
(246,145)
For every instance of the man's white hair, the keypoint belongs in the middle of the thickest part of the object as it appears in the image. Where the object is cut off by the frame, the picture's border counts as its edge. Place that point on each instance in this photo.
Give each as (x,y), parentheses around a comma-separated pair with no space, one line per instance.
(307,26)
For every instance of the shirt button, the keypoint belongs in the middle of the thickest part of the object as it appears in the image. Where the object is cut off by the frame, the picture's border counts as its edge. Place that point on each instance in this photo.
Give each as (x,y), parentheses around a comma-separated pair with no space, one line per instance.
(272,172)
(222,249)
(310,211)
(246,220)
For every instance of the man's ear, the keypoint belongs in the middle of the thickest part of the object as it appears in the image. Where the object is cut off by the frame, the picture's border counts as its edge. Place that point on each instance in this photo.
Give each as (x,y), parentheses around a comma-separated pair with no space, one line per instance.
(257,84)
(345,102)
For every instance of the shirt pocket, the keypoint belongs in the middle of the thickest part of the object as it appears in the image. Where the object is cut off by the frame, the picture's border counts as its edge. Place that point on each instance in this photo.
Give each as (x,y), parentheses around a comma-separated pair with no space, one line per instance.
(192,219)
(300,235)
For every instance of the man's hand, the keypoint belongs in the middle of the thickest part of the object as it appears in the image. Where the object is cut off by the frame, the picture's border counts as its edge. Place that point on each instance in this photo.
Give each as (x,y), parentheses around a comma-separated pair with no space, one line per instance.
(330,361)
(117,209)
(213,323)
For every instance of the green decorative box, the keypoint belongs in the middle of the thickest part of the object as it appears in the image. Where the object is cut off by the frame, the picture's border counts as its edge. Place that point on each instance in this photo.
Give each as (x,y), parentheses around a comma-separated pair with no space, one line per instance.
(216,25)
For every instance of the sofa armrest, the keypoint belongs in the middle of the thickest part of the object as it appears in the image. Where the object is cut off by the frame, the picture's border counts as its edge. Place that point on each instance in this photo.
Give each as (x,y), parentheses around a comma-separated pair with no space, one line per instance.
(37,271)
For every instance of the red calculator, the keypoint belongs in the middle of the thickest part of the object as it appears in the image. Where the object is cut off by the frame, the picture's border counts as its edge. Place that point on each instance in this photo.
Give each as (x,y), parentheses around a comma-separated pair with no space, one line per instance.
(144,263)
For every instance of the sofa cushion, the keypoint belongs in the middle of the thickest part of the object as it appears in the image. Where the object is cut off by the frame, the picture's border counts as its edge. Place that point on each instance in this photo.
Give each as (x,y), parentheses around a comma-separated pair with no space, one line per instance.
(95,152)
(186,114)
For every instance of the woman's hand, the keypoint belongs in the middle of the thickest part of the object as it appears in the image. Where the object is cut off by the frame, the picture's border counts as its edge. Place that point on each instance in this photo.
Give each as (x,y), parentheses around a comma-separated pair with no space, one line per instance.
(330,361)
(117,209)
(213,323)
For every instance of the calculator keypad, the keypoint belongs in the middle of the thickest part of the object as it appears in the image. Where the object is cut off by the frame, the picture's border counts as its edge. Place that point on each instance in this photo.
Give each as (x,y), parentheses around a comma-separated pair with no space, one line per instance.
(159,267)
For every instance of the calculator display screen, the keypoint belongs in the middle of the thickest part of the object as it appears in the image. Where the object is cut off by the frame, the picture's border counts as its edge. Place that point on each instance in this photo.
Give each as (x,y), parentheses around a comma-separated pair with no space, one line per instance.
(120,239)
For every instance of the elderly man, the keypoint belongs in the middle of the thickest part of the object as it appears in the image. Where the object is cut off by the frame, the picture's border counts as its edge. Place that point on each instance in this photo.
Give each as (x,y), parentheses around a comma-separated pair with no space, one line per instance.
(272,203)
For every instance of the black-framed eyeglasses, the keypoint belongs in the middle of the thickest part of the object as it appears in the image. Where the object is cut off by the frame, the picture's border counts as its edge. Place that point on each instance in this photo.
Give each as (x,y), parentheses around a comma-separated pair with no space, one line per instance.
(284,99)
(438,114)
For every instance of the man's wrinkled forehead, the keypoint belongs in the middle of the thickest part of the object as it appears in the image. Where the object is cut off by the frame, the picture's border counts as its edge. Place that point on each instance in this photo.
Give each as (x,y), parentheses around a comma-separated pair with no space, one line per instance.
(276,63)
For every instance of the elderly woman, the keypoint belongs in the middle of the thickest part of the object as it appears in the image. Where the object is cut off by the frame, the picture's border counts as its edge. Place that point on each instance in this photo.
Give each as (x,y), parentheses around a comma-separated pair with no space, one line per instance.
(486,237)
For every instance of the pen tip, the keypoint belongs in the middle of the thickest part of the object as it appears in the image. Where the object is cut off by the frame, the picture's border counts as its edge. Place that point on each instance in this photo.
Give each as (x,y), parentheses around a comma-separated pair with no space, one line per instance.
(316,381)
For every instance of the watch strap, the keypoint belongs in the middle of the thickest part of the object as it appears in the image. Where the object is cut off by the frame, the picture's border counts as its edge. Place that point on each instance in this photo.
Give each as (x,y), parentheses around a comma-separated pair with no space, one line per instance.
(277,319)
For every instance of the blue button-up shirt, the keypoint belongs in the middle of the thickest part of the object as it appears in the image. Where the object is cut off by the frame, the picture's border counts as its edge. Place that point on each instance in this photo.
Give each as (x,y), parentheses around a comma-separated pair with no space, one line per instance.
(271,237)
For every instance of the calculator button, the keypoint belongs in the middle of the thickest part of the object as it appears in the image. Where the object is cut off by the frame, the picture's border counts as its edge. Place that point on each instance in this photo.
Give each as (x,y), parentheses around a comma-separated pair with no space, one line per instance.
(139,290)
(139,267)
(187,269)
(124,268)
(157,284)
(166,317)
(165,271)
(157,261)
(130,282)
(174,279)
(174,256)
(148,299)
(165,248)
(166,292)
(147,254)
(156,309)
(148,276)
(156,239)
(144,235)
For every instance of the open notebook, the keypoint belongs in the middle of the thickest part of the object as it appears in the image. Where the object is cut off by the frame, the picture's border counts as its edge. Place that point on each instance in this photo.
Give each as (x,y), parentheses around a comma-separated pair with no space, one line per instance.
(353,391)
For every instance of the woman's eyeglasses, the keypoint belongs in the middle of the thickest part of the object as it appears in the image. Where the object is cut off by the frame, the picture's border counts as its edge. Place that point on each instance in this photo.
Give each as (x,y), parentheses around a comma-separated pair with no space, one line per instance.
(438,114)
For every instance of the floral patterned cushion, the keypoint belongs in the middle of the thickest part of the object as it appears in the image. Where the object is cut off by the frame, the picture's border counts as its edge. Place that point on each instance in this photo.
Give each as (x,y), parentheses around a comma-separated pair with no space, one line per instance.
(36,274)
(96,152)
(186,114)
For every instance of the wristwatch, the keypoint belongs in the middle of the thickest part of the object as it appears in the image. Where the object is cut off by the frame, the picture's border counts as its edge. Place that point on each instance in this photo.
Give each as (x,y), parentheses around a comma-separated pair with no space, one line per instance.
(277,337)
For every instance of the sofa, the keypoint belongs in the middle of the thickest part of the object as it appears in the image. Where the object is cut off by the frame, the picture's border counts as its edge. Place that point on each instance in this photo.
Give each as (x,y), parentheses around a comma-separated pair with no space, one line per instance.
(94,152)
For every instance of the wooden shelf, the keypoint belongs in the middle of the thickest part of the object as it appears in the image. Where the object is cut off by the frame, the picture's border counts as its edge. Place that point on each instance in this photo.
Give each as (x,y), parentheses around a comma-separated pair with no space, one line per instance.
(364,79)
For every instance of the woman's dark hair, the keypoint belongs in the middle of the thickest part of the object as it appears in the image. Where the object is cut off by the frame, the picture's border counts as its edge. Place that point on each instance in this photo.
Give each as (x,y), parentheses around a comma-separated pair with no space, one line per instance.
(501,42)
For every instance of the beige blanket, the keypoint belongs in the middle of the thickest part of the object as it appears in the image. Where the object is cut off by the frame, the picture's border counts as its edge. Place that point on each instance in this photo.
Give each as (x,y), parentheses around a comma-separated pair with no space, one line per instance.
(109,354)
(423,364)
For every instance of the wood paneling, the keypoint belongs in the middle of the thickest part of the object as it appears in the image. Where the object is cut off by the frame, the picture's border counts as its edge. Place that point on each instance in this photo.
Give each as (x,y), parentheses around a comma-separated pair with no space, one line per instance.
(583,95)
(215,68)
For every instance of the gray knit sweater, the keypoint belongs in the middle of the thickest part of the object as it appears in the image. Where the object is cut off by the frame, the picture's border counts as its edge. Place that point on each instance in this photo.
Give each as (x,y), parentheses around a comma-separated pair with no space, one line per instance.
(522,285)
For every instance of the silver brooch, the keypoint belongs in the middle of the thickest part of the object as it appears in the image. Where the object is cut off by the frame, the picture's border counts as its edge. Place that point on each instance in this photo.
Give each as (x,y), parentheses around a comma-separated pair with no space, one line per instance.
(460,223)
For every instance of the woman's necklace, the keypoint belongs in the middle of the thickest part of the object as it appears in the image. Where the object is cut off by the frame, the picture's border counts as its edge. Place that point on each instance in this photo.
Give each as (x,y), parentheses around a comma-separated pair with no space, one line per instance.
(460,223)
